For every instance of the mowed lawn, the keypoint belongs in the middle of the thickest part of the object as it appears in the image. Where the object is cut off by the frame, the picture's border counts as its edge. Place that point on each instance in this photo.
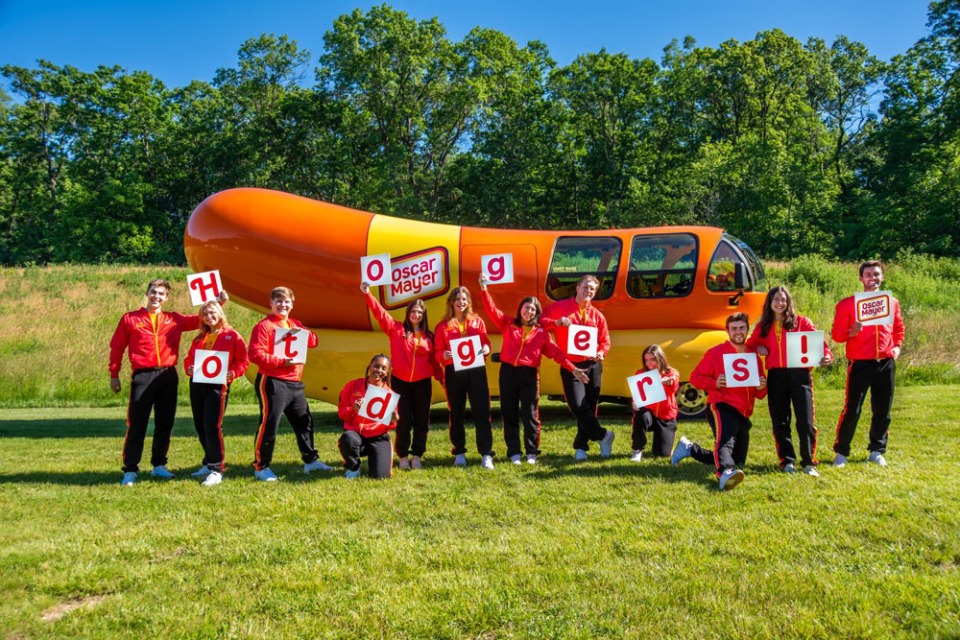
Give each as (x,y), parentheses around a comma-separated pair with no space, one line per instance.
(603,549)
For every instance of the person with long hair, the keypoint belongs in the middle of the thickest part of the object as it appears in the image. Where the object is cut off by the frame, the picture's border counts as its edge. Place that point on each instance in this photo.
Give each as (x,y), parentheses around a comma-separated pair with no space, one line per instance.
(661,417)
(208,400)
(787,385)
(525,342)
(583,397)
(461,321)
(411,348)
(362,436)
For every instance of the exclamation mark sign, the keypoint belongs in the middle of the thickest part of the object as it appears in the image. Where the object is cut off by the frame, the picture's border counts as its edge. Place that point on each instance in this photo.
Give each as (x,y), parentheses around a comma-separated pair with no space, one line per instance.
(803,350)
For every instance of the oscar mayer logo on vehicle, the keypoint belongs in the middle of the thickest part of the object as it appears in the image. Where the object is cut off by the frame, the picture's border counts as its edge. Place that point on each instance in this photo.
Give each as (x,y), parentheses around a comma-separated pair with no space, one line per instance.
(424,274)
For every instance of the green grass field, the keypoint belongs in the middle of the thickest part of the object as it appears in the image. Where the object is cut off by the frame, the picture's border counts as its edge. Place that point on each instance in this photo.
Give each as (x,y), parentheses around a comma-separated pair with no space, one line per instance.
(605,549)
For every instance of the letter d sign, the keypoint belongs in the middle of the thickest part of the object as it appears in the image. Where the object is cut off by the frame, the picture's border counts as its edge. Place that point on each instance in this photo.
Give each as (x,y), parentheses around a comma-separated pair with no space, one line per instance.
(379,404)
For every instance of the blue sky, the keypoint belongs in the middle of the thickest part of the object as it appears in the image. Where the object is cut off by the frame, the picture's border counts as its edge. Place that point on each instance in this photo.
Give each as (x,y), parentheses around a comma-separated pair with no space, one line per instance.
(179,41)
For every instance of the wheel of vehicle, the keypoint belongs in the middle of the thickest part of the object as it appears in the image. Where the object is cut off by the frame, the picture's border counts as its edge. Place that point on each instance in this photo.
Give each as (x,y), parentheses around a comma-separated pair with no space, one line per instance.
(691,402)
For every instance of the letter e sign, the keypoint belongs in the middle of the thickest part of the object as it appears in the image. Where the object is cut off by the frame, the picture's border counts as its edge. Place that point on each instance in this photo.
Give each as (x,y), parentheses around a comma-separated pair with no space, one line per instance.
(582,341)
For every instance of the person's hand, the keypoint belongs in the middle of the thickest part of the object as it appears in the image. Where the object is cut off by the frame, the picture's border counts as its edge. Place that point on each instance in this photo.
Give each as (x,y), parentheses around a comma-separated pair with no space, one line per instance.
(230,377)
(448,355)
(358,404)
(896,352)
(665,380)
(115,385)
(483,282)
(721,381)
(485,351)
(364,288)
(826,360)
(599,357)
(763,351)
(855,329)
(564,322)
(223,297)
(763,382)
(288,363)
(190,370)
(581,375)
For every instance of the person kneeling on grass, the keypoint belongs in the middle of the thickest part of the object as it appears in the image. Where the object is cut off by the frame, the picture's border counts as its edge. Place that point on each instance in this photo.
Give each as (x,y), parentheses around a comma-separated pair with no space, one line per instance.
(730,408)
(363,436)
(660,418)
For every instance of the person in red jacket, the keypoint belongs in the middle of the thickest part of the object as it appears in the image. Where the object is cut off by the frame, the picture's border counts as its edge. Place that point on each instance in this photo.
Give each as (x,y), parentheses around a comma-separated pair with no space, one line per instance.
(660,418)
(151,338)
(872,353)
(730,407)
(363,437)
(279,390)
(411,347)
(525,342)
(786,385)
(208,400)
(582,398)
(461,321)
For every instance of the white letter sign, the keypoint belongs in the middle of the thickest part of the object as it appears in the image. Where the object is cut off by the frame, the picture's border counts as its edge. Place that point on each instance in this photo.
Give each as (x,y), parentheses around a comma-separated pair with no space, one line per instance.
(210,366)
(582,341)
(204,287)
(467,353)
(291,344)
(379,404)
(804,348)
(375,270)
(741,369)
(498,269)
(874,307)
(647,388)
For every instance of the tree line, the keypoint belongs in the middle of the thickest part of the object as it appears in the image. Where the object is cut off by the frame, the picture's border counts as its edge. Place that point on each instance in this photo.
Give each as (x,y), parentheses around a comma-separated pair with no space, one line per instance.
(795,147)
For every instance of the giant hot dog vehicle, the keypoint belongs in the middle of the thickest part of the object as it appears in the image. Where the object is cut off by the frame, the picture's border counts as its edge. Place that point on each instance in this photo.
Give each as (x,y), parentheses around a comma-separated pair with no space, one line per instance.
(673,286)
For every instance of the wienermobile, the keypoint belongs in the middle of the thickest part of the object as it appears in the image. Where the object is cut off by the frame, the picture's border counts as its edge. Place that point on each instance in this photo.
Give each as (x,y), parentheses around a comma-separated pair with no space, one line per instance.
(673,286)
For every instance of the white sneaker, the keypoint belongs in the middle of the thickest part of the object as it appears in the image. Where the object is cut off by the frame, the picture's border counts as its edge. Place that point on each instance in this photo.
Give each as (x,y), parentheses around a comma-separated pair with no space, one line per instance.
(877,457)
(840,461)
(580,455)
(681,451)
(789,468)
(213,479)
(352,475)
(162,472)
(637,456)
(460,460)
(316,465)
(202,472)
(516,459)
(730,478)
(404,464)
(811,470)
(531,458)
(487,462)
(129,478)
(415,463)
(606,445)
(265,475)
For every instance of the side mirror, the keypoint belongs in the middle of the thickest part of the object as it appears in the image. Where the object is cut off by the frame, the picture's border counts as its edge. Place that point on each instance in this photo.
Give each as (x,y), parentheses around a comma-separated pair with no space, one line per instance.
(740,278)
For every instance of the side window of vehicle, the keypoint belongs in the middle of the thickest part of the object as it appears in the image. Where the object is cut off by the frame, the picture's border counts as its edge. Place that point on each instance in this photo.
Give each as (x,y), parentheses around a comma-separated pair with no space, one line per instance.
(574,257)
(662,265)
(721,276)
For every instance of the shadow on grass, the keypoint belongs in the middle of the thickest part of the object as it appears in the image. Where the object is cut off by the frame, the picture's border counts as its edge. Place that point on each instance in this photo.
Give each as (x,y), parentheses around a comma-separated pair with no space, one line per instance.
(288,473)
(101,428)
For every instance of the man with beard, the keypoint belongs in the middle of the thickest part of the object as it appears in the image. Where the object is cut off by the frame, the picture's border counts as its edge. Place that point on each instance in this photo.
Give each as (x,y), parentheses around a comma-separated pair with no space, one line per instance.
(730,408)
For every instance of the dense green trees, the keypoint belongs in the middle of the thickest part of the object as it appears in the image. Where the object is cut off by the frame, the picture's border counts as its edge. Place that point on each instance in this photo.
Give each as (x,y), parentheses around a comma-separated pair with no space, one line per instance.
(797,147)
